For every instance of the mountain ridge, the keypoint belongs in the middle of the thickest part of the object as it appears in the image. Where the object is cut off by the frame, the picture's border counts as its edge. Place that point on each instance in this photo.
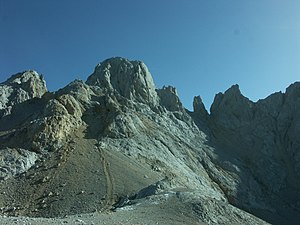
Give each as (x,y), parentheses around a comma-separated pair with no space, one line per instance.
(220,166)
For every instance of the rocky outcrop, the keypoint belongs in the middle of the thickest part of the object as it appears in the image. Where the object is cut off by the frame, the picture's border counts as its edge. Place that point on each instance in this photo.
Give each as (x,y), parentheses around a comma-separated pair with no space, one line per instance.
(130,79)
(200,115)
(263,135)
(20,88)
(231,109)
(169,98)
(15,162)
(35,120)
(115,140)
(199,108)
(60,116)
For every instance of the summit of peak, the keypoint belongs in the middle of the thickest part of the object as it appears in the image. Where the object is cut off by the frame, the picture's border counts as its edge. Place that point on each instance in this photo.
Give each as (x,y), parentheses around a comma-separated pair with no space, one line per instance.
(19,88)
(131,79)
(27,77)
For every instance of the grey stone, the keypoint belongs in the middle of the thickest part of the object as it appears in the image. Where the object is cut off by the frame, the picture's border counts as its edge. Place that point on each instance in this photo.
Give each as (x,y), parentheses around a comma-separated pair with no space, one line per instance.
(169,98)
(131,79)
(14,162)
(19,88)
(240,159)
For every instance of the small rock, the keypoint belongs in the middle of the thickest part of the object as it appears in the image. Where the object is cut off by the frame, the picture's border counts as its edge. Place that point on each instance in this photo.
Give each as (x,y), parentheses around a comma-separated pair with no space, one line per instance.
(63,185)
(80,221)
(45,179)
(81,192)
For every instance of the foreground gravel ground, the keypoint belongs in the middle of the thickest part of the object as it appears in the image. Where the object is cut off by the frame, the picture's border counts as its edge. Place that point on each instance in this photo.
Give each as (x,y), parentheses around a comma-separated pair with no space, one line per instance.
(166,213)
(95,219)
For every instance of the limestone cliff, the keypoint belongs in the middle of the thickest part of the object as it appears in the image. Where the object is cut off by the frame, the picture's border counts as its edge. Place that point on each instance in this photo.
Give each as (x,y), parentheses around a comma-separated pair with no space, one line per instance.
(116,142)
(19,88)
(264,137)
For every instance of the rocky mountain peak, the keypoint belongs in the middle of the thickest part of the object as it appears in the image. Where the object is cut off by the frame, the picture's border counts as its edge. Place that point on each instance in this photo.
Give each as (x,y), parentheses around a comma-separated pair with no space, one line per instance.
(293,90)
(130,79)
(169,98)
(98,146)
(198,105)
(199,108)
(232,108)
(19,88)
(30,81)
(231,96)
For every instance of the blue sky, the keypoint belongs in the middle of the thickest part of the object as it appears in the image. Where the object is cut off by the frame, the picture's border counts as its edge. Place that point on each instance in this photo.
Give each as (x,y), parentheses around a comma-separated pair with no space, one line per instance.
(201,47)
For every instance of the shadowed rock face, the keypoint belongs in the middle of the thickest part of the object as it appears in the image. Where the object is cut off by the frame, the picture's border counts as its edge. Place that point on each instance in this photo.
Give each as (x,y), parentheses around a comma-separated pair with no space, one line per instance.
(264,136)
(115,141)
(265,130)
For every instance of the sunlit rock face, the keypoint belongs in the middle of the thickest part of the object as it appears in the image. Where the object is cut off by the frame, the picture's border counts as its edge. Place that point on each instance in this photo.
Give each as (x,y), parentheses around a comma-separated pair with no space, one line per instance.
(131,79)
(117,141)
(19,88)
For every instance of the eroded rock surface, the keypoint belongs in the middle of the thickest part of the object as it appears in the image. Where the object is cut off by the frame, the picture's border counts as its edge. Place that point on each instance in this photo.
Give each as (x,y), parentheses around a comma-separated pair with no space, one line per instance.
(116,142)
(15,162)
(263,135)
(130,79)
(19,88)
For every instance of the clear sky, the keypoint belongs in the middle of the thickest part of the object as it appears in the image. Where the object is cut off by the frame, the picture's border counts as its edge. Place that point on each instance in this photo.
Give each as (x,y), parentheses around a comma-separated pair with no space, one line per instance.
(201,47)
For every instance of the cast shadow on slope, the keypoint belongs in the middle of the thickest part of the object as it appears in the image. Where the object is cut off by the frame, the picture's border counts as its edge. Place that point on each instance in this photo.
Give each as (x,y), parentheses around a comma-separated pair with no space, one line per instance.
(16,129)
(253,169)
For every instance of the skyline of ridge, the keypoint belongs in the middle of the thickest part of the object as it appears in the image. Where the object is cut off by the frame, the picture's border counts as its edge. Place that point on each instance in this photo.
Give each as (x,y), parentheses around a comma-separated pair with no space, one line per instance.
(199,47)
(233,86)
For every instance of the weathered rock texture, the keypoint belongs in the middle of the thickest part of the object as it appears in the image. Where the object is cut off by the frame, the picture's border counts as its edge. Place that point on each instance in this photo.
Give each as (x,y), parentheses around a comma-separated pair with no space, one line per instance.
(130,79)
(19,88)
(264,136)
(115,142)
(15,162)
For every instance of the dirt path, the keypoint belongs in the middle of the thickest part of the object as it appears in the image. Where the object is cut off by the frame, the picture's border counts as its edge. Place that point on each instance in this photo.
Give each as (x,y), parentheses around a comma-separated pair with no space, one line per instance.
(110,186)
